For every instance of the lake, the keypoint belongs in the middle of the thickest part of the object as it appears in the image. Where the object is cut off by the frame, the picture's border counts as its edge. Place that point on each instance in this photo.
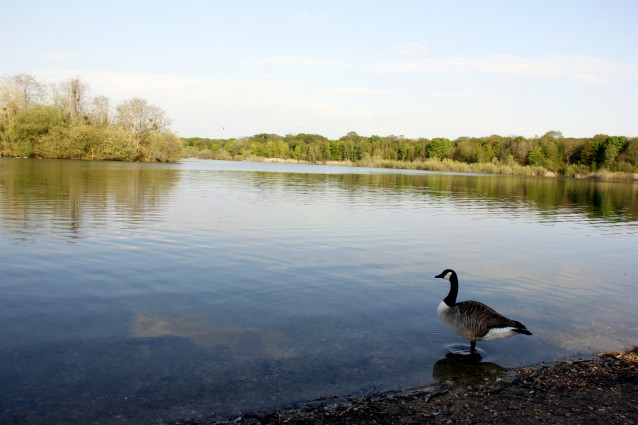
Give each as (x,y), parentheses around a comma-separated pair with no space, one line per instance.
(141,293)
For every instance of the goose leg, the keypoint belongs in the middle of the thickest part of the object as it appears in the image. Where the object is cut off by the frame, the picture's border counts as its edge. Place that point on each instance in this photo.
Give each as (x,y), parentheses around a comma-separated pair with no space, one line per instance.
(472,346)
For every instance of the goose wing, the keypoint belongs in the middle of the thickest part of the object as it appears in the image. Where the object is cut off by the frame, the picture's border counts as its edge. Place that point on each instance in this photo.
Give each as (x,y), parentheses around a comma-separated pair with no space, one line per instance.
(480,318)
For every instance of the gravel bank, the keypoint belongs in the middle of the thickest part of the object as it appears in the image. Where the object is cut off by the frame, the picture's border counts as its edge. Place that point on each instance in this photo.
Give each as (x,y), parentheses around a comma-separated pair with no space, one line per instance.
(603,390)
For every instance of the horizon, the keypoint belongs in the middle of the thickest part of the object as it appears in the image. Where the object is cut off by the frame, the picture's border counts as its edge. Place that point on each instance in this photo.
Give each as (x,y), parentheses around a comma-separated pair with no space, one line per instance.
(400,136)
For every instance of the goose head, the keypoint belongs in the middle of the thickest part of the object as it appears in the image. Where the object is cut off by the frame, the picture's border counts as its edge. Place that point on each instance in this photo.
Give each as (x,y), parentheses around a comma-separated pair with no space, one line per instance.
(446,274)
(450,276)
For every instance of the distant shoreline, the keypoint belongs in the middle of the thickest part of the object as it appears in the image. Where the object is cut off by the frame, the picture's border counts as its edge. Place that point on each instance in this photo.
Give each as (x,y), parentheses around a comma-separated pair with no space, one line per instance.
(459,167)
(601,157)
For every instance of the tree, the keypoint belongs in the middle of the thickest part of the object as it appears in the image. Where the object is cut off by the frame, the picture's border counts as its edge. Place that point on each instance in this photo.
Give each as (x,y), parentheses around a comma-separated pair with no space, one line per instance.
(203,154)
(83,139)
(235,147)
(23,90)
(571,147)
(100,111)
(139,117)
(29,127)
(632,151)
(537,157)
(521,148)
(350,150)
(336,150)
(553,134)
(403,150)
(467,150)
(17,93)
(588,153)
(609,150)
(72,97)
(486,150)
(72,125)
(438,148)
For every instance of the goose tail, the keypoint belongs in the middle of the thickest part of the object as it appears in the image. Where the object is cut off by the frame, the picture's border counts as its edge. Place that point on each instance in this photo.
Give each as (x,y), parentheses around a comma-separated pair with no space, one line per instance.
(520,328)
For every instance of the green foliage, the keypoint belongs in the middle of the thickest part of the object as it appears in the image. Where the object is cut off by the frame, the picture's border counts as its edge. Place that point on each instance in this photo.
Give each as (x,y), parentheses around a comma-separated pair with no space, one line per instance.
(80,141)
(117,144)
(520,149)
(160,147)
(493,154)
(536,157)
(205,154)
(438,148)
(553,134)
(41,130)
(631,153)
(30,129)
(609,149)
(573,170)
(466,150)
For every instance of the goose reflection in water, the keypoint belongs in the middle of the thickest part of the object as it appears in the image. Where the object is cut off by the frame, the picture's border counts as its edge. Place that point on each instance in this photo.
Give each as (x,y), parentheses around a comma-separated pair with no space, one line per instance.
(464,368)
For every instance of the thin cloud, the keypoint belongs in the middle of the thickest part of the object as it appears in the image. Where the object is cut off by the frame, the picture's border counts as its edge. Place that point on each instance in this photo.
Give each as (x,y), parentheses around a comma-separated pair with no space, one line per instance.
(248,106)
(360,90)
(60,56)
(171,89)
(413,49)
(235,107)
(292,61)
(584,69)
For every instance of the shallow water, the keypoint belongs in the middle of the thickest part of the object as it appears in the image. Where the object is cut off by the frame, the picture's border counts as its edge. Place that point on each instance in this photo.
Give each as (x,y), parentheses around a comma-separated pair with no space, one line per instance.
(132,293)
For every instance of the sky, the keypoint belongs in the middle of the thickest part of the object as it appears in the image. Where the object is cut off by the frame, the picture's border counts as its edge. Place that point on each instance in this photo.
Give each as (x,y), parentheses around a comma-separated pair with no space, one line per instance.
(229,69)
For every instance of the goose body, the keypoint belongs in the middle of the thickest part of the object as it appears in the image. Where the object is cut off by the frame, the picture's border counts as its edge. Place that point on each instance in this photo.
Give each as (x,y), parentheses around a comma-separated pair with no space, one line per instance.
(474,320)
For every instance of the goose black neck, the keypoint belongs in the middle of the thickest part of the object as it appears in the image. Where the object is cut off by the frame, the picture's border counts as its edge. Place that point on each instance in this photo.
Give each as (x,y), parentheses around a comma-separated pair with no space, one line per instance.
(454,290)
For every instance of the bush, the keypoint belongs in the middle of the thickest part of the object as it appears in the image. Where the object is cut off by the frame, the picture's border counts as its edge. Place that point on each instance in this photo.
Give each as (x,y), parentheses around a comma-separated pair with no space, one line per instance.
(221,154)
(189,152)
(205,154)
(115,143)
(160,147)
(573,170)
(624,167)
(30,129)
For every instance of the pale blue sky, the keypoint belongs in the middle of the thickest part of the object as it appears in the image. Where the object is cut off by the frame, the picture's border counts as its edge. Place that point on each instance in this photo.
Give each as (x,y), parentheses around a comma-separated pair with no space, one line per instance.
(414,68)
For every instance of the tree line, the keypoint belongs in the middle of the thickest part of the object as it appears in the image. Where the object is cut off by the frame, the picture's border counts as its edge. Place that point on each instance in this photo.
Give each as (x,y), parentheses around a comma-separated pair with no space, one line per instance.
(552,151)
(64,121)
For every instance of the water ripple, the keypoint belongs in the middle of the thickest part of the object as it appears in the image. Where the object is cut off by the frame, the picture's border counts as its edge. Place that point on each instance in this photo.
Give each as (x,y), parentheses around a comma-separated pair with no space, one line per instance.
(159,282)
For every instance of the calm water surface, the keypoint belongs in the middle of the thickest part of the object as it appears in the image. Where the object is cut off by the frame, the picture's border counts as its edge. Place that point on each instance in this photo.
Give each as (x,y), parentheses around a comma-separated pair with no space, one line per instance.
(135,293)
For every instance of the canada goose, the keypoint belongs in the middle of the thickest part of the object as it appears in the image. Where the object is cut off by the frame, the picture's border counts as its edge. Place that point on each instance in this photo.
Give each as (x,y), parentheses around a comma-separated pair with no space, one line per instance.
(474,320)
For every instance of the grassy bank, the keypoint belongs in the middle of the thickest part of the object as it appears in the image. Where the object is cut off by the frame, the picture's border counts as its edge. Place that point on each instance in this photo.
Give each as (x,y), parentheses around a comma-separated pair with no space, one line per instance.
(448,165)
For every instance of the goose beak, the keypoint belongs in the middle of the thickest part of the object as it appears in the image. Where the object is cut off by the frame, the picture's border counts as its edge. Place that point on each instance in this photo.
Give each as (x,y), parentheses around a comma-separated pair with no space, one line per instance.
(439,276)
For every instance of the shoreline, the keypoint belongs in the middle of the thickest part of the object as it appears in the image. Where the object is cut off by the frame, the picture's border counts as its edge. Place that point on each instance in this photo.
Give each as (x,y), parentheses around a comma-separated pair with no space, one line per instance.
(601,389)
(460,167)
